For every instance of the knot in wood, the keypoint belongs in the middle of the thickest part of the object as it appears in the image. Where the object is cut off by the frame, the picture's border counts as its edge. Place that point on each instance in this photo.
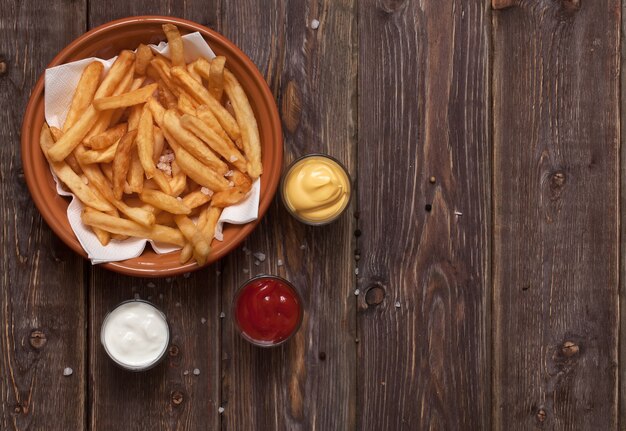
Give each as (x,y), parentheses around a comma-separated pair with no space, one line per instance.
(541,415)
(558,179)
(291,107)
(375,295)
(3,67)
(174,350)
(177,398)
(569,349)
(38,339)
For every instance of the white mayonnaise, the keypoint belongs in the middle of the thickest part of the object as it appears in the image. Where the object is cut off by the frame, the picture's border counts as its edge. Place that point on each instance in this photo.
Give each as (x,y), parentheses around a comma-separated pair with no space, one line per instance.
(135,334)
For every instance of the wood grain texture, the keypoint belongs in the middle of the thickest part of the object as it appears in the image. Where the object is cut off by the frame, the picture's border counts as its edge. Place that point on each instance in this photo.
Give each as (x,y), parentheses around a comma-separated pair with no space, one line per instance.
(423,356)
(42,294)
(169,396)
(556,235)
(308,383)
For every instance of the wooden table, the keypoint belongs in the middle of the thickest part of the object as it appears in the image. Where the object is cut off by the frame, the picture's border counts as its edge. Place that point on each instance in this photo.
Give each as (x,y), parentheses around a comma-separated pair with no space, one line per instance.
(473,284)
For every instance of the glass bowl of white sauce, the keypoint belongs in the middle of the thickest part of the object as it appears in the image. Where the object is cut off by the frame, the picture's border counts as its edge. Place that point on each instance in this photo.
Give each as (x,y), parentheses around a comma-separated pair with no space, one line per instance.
(135,335)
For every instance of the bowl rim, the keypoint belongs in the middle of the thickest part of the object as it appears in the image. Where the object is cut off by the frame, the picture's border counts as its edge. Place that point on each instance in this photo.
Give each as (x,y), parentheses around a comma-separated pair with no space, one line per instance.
(39,196)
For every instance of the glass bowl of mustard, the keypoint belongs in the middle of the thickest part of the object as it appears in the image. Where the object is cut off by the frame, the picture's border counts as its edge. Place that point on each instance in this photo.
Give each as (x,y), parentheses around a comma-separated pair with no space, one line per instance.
(316,189)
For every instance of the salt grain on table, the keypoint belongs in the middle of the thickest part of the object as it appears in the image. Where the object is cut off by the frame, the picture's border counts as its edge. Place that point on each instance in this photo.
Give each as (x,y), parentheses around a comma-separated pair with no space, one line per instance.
(186,373)
(246,270)
(67,371)
(151,285)
(220,410)
(257,263)
(203,320)
(315,24)
(397,304)
(259,256)
(222,315)
(196,372)
(356,292)
(280,262)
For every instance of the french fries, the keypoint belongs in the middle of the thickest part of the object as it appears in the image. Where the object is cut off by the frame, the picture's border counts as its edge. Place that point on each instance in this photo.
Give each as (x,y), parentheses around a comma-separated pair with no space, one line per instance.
(152,152)
(216,77)
(84,93)
(108,137)
(143,58)
(121,163)
(124,100)
(247,122)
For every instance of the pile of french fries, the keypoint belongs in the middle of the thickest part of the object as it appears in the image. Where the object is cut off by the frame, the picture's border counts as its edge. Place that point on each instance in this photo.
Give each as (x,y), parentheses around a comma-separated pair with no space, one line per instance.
(155,144)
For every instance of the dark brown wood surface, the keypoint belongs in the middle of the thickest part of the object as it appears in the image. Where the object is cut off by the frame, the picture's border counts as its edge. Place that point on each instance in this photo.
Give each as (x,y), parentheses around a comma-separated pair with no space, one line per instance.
(472,284)
(425,245)
(42,299)
(556,236)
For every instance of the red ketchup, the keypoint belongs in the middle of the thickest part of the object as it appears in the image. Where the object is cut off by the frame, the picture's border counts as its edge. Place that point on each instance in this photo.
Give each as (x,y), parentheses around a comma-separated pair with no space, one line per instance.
(268,310)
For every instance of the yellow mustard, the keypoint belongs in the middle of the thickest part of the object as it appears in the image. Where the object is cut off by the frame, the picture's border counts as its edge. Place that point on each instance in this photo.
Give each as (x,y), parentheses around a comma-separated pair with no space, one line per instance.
(316,189)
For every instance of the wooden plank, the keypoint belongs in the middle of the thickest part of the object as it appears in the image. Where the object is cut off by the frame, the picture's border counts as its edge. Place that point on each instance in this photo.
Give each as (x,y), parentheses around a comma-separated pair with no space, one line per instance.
(556,140)
(309,383)
(170,396)
(425,243)
(42,295)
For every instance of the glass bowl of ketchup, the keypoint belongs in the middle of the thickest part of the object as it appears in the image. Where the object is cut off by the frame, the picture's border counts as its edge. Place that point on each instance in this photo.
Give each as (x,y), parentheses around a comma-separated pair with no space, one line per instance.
(267,310)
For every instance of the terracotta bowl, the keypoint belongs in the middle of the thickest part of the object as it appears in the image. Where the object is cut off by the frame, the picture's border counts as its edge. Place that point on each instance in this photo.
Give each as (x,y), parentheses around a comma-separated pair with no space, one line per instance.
(107,41)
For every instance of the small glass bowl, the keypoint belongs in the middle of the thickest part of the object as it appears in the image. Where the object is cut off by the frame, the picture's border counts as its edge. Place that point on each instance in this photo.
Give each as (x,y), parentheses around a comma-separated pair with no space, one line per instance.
(234,310)
(123,365)
(294,213)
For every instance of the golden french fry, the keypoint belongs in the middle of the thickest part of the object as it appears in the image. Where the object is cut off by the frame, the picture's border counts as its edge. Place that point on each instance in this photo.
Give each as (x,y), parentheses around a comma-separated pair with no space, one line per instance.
(204,113)
(164,202)
(158,112)
(228,197)
(121,163)
(122,226)
(107,170)
(70,139)
(200,245)
(134,116)
(196,199)
(216,77)
(165,218)
(127,99)
(192,144)
(108,137)
(122,64)
(103,236)
(83,95)
(202,67)
(95,176)
(184,104)
(99,156)
(159,144)
(194,168)
(178,183)
(211,216)
(193,73)
(118,113)
(163,71)
(69,177)
(186,253)
(166,97)
(143,57)
(247,122)
(175,43)
(145,142)
(105,118)
(135,173)
(203,96)
(241,180)
(213,140)
(70,159)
